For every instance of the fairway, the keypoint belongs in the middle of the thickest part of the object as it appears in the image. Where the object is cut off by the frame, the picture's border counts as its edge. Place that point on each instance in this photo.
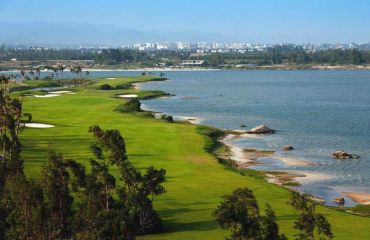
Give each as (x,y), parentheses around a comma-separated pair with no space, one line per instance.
(195,180)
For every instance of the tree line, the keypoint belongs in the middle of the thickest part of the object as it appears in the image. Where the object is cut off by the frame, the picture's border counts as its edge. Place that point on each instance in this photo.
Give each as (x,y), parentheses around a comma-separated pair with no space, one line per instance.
(279,54)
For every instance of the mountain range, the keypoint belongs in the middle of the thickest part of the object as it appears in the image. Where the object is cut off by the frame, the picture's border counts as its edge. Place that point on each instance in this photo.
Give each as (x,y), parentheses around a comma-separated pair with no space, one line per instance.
(75,34)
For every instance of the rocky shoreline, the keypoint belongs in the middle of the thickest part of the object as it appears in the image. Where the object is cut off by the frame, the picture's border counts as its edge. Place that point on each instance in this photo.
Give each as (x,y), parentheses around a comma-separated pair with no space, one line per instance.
(247,158)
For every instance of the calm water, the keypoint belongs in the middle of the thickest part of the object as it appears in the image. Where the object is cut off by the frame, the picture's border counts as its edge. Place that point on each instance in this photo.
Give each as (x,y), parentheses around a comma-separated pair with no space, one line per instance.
(317,112)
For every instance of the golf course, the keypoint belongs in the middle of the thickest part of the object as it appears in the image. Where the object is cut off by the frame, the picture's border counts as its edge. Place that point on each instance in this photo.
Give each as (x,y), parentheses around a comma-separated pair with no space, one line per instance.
(195,180)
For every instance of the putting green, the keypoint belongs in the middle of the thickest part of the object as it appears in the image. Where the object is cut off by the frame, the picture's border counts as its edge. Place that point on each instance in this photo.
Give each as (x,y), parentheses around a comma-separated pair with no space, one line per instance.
(195,180)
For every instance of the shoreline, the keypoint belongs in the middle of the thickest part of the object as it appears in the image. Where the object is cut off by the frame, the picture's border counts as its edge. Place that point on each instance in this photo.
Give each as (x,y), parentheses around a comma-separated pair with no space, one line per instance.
(360,198)
(245,158)
(257,68)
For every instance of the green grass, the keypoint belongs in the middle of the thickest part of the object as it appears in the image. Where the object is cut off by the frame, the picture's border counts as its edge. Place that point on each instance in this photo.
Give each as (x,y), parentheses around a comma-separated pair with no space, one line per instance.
(195,179)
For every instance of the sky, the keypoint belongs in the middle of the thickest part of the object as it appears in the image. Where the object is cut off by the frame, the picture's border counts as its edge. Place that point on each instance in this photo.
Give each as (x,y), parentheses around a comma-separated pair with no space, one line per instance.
(270,21)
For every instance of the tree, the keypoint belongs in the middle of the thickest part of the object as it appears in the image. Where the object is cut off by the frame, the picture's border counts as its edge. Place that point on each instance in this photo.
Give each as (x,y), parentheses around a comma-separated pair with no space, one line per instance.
(61,68)
(270,229)
(239,212)
(23,73)
(32,73)
(26,218)
(136,188)
(55,182)
(38,71)
(309,223)
(11,164)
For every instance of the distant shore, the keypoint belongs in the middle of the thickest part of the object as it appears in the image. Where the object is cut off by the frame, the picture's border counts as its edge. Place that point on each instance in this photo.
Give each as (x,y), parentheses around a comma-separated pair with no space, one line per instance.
(231,68)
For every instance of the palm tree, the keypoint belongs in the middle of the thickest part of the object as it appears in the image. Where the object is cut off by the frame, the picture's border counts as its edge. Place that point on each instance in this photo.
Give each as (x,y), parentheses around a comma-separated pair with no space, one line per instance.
(56,71)
(61,68)
(38,73)
(32,73)
(23,73)
(72,69)
(79,70)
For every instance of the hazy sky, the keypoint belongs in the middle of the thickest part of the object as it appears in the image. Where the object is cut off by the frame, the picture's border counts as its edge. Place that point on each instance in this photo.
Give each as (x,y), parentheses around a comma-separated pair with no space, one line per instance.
(244,20)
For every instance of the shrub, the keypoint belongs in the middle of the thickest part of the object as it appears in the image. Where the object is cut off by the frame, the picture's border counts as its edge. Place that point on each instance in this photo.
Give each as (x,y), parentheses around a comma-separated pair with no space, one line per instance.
(167,118)
(132,105)
(122,86)
(106,87)
(213,134)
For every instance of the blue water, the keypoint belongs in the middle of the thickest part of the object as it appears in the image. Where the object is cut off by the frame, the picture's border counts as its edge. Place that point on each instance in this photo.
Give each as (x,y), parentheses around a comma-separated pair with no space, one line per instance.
(317,112)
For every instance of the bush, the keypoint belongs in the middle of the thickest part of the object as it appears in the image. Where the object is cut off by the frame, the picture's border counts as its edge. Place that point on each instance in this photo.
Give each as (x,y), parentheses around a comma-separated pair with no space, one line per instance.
(106,87)
(132,105)
(211,143)
(167,118)
(122,86)
(110,87)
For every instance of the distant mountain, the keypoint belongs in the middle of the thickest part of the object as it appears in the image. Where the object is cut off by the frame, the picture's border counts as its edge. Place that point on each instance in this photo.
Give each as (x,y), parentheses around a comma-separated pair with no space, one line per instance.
(74,34)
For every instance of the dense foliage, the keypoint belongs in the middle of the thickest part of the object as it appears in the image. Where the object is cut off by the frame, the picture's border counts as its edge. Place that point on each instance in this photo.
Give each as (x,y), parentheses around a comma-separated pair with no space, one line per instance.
(310,224)
(239,212)
(67,202)
(132,105)
(279,54)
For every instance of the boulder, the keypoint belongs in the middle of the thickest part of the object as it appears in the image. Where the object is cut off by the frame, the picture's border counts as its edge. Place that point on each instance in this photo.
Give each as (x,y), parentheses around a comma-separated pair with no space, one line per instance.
(339,200)
(344,155)
(261,129)
(288,148)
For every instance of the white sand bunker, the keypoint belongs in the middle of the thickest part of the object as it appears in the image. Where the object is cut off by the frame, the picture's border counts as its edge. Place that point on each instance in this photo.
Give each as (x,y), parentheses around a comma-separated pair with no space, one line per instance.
(60,92)
(54,94)
(38,125)
(127,96)
(111,78)
(47,95)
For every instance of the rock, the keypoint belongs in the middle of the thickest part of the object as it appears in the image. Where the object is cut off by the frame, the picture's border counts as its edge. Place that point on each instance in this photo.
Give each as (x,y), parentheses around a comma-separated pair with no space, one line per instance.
(339,200)
(344,155)
(243,126)
(261,129)
(288,148)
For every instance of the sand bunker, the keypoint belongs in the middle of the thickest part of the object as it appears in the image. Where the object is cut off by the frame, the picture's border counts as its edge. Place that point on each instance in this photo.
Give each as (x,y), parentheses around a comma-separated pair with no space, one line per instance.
(38,125)
(54,94)
(47,95)
(127,96)
(110,78)
(60,92)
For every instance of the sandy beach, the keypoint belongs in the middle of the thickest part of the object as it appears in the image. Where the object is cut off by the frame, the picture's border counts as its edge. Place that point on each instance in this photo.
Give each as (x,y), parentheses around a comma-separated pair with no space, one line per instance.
(244,158)
(251,155)
(361,198)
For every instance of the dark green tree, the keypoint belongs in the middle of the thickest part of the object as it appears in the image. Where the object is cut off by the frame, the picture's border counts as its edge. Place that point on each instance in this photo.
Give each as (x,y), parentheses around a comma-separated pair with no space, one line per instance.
(239,212)
(309,223)
(55,182)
